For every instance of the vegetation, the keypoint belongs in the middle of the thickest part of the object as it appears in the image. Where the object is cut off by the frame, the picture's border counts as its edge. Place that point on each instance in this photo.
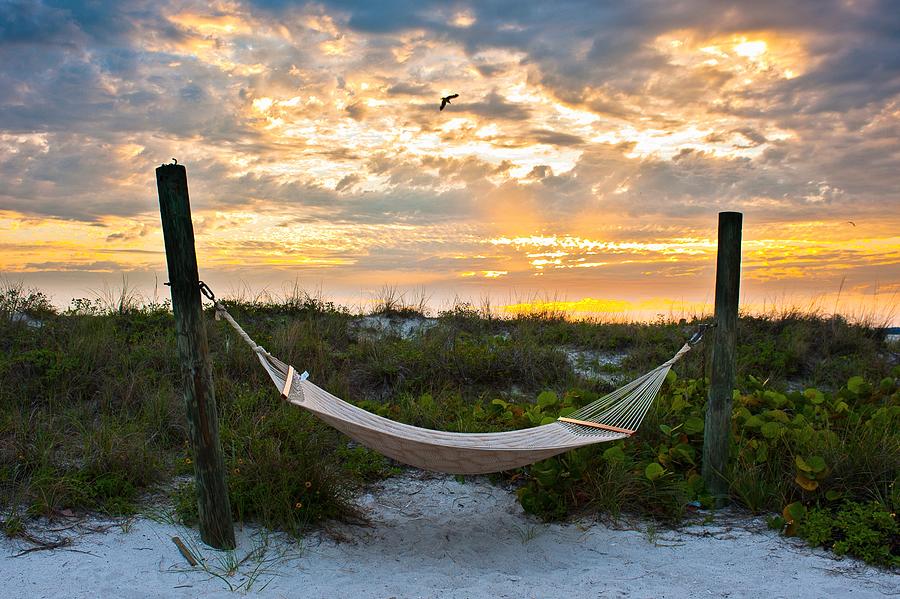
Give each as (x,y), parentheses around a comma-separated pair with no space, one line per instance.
(91,418)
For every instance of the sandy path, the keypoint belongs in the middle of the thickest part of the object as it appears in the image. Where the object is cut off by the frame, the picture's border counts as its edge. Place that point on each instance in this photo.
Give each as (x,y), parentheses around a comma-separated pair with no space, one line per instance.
(434,537)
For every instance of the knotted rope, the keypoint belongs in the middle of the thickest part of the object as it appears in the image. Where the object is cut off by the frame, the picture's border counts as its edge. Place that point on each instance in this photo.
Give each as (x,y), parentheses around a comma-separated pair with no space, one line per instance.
(221,312)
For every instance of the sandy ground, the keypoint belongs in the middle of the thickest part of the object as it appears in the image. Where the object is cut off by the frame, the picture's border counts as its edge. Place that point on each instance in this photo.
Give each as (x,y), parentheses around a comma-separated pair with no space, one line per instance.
(431,536)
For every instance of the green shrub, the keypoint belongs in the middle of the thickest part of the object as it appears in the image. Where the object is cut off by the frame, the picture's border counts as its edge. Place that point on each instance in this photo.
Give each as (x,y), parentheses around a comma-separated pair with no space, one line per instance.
(864,530)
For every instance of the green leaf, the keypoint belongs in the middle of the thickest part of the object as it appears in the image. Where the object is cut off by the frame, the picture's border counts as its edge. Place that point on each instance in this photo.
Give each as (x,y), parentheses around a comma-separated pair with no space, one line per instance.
(684,452)
(614,453)
(801,464)
(814,396)
(770,430)
(753,422)
(833,495)
(671,377)
(546,473)
(547,398)
(775,398)
(778,415)
(534,415)
(548,420)
(817,463)
(795,512)
(679,403)
(693,425)
(742,413)
(566,411)
(654,471)
(856,384)
(666,430)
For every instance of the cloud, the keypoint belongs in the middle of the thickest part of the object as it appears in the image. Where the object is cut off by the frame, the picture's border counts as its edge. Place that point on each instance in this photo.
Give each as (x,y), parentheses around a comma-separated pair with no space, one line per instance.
(23,23)
(637,120)
(96,266)
(409,89)
(348,182)
(493,106)
(556,138)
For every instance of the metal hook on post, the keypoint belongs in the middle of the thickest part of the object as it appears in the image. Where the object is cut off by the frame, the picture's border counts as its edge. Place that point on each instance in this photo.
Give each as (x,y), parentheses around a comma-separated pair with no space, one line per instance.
(207,292)
(698,334)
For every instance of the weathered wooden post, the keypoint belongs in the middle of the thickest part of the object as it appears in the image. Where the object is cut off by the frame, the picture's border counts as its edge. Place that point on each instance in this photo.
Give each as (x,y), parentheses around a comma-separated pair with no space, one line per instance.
(716,435)
(216,528)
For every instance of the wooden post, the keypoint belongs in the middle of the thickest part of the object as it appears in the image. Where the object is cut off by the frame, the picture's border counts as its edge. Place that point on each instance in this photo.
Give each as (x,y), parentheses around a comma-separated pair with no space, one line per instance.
(716,435)
(216,528)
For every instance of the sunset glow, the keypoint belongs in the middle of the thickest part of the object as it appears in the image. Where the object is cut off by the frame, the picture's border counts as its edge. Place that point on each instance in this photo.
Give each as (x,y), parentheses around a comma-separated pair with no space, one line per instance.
(581,168)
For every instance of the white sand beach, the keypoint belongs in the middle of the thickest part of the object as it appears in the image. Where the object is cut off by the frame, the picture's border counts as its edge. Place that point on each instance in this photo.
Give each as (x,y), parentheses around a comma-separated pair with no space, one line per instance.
(432,536)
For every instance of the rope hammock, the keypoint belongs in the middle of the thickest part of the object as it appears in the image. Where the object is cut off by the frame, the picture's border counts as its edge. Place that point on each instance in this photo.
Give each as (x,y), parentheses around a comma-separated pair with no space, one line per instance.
(616,415)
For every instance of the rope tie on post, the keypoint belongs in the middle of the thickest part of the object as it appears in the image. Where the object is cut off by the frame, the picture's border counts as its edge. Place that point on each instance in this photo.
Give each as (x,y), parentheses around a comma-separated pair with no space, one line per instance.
(221,312)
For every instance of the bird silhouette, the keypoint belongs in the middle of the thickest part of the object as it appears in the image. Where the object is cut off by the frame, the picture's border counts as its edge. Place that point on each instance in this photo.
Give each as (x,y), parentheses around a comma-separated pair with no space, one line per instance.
(446,100)
(851,222)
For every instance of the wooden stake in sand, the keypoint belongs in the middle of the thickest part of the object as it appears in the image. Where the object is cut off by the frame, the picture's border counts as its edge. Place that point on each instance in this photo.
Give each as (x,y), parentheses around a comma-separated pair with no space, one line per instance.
(718,407)
(216,528)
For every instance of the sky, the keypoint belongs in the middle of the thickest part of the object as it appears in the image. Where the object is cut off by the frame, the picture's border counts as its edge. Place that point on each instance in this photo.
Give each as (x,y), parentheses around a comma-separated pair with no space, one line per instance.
(582,166)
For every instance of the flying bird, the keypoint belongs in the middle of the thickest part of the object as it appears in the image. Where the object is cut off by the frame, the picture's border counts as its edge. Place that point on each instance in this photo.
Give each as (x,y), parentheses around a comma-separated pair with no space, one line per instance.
(851,222)
(445,101)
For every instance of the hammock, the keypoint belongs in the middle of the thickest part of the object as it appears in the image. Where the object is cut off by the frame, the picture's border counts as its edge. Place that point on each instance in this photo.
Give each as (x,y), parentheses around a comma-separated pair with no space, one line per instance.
(614,416)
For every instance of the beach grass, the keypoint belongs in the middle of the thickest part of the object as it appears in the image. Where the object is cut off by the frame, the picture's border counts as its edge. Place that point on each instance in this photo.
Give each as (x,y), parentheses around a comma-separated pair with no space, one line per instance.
(91,416)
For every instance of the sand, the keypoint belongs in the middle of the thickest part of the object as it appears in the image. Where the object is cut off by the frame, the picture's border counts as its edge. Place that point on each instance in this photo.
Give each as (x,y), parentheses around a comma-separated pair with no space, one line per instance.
(431,536)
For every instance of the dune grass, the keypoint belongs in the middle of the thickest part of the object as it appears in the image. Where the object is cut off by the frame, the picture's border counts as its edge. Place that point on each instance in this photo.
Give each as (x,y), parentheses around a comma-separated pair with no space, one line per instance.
(91,417)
